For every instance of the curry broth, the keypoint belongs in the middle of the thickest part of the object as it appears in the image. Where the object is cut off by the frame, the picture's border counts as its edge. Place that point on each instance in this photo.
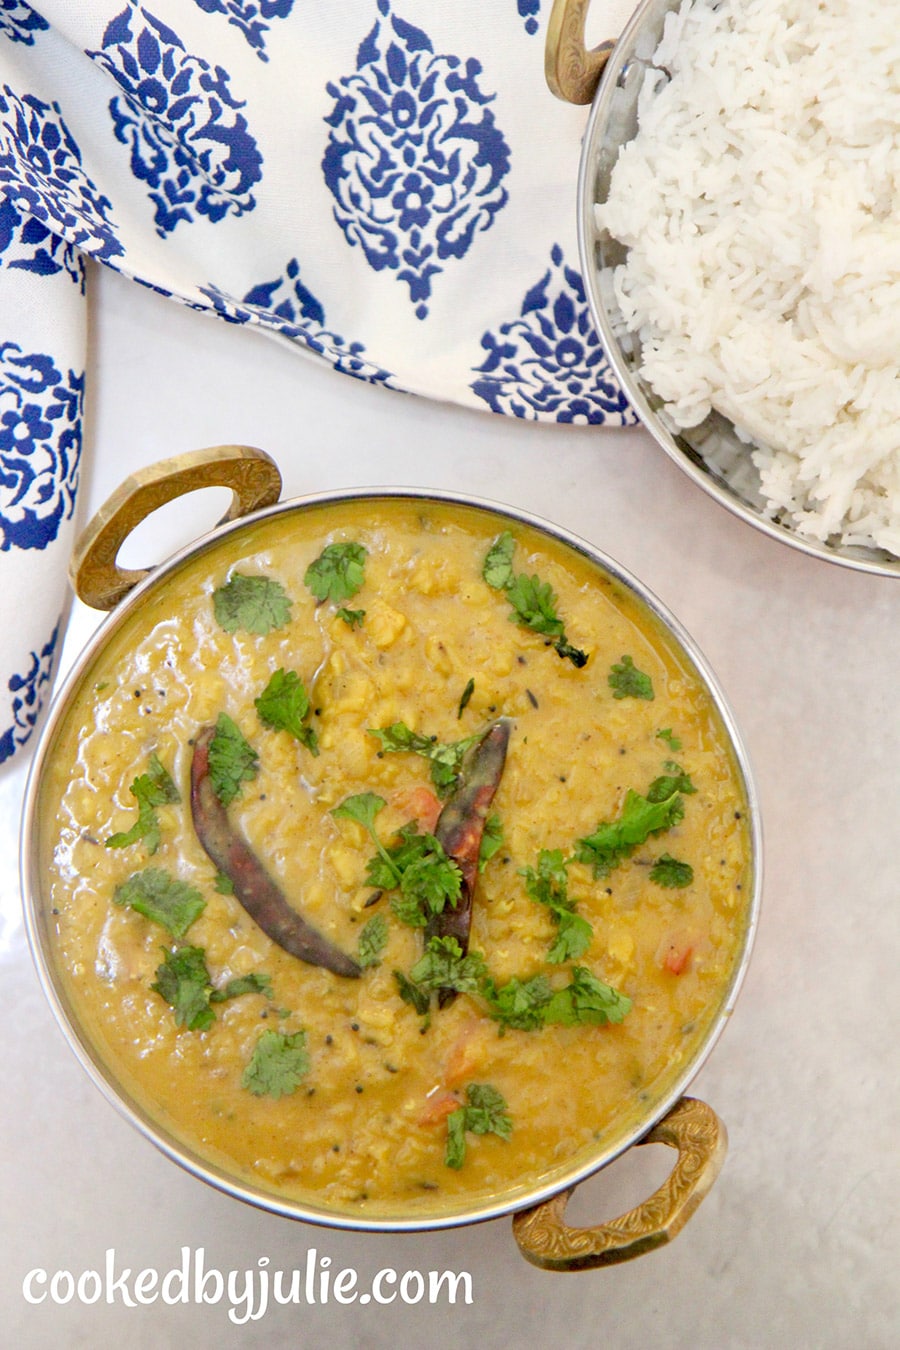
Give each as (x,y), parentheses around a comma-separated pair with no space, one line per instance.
(365,1131)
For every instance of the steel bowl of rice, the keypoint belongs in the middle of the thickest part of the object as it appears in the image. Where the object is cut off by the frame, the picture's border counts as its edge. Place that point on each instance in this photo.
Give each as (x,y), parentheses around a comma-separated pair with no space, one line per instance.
(739,239)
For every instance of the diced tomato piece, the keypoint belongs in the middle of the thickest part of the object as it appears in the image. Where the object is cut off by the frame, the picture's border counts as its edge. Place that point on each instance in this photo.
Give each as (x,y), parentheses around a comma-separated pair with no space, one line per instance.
(677,957)
(465,1056)
(438,1108)
(419,804)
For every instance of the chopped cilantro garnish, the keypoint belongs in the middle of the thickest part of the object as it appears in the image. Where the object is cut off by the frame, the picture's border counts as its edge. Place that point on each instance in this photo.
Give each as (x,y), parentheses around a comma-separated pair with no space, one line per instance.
(446,760)
(533,601)
(278,1064)
(573,937)
(668,871)
(641,817)
(491,840)
(161,897)
(373,940)
(151,789)
(232,760)
(183,980)
(626,681)
(666,734)
(223,884)
(284,705)
(434,880)
(443,966)
(353,618)
(529,1004)
(464,699)
(676,780)
(256,604)
(338,572)
(586,1000)
(484,1113)
(362,807)
(416,864)
(420,999)
(497,569)
(254,983)
(518,1003)
(548,885)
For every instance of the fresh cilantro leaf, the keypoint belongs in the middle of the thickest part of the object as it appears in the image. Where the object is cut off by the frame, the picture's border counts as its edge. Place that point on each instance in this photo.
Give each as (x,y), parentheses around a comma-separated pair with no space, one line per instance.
(497,568)
(446,760)
(232,760)
(574,936)
(420,999)
(484,1113)
(254,983)
(668,871)
(284,705)
(491,840)
(615,840)
(151,789)
(548,885)
(533,600)
(223,884)
(398,737)
(278,1064)
(416,864)
(373,940)
(443,966)
(666,734)
(161,897)
(464,700)
(626,681)
(338,572)
(434,879)
(534,603)
(563,647)
(256,604)
(518,1003)
(586,1000)
(676,780)
(409,911)
(427,878)
(455,1151)
(363,807)
(353,618)
(183,981)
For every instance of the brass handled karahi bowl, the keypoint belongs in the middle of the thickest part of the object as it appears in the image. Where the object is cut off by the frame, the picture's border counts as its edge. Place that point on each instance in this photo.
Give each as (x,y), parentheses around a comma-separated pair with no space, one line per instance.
(142,693)
(610,77)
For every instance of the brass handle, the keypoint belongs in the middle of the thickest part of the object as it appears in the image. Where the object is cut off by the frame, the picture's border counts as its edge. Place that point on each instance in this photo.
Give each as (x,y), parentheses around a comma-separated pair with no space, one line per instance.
(694,1129)
(251,474)
(572,71)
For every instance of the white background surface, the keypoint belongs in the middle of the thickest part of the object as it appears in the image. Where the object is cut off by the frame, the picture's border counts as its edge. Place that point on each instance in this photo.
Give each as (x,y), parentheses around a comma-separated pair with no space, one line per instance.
(798,1243)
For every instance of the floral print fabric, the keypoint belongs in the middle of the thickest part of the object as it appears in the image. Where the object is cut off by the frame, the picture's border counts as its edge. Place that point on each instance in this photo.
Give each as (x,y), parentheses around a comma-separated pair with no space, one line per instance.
(430,247)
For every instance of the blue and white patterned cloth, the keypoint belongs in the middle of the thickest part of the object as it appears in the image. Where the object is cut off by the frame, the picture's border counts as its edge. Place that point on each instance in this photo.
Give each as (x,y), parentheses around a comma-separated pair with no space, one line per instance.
(385,183)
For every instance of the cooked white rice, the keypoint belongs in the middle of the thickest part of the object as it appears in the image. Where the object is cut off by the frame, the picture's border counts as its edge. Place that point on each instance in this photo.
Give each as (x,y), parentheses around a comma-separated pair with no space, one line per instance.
(760,203)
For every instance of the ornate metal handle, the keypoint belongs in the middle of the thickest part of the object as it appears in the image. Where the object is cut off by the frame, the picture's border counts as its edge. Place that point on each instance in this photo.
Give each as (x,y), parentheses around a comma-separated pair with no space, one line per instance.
(694,1129)
(251,474)
(572,71)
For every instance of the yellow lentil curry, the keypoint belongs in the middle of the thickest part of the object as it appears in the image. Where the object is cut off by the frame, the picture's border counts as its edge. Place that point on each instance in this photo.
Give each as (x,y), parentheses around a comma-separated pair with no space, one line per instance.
(350,662)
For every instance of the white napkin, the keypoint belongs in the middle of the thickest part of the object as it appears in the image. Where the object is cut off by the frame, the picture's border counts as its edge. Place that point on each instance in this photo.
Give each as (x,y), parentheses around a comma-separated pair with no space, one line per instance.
(388,184)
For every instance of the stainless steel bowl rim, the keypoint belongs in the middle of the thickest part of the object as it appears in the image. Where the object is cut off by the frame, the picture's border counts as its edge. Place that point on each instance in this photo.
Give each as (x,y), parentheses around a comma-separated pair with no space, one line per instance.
(104,1079)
